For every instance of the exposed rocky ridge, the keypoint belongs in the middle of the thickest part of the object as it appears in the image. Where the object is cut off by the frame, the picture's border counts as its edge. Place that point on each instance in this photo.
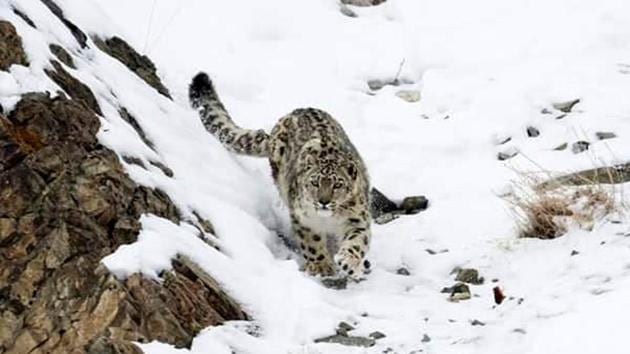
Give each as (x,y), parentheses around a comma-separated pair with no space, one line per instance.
(141,65)
(11,51)
(65,203)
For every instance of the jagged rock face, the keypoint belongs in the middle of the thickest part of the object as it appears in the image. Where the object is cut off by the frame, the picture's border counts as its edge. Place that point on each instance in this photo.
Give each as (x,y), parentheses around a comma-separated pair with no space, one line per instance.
(65,203)
(141,65)
(11,51)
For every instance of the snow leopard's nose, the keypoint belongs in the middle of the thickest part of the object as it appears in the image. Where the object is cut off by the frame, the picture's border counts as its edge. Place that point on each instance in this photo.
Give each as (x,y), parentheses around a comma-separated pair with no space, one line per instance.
(323,205)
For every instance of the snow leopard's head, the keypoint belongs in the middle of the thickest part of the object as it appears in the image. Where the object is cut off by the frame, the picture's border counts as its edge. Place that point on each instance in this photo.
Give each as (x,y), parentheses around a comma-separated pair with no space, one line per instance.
(328,183)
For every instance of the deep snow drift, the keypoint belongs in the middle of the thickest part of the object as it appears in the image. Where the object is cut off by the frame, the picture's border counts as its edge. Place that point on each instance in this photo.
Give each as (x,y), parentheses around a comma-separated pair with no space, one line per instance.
(485,70)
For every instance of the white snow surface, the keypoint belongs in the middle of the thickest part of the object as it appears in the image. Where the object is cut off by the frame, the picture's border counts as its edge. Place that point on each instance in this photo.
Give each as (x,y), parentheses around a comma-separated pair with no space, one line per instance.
(486,69)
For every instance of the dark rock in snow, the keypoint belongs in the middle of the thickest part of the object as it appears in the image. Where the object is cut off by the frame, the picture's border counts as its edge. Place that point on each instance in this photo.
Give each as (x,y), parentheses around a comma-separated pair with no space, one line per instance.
(62,55)
(561,147)
(76,32)
(380,204)
(414,205)
(580,146)
(167,171)
(532,132)
(459,291)
(343,328)
(425,338)
(73,87)
(468,275)
(386,218)
(129,118)
(605,135)
(141,65)
(352,341)
(403,271)
(23,16)
(11,51)
(362,2)
(477,323)
(377,335)
(567,106)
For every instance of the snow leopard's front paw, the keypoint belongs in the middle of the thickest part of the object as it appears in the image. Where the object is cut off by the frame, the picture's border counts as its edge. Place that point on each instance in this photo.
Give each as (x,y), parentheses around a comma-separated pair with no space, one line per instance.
(323,268)
(351,265)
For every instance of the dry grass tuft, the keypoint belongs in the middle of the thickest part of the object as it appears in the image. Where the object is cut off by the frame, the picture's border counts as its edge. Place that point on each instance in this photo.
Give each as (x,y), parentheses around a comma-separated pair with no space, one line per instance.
(547,213)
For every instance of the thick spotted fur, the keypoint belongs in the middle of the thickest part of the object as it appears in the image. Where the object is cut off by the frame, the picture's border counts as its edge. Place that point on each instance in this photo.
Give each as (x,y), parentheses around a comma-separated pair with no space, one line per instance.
(319,175)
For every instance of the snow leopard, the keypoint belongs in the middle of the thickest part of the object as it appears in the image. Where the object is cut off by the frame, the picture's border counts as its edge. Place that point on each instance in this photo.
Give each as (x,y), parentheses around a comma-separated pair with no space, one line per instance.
(319,175)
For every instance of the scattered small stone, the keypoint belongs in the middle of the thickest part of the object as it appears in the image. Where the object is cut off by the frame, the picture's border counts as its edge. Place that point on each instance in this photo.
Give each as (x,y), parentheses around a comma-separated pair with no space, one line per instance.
(546,111)
(468,275)
(425,338)
(504,140)
(498,295)
(414,204)
(580,146)
(352,341)
(567,106)
(561,147)
(459,291)
(433,252)
(402,271)
(605,135)
(495,280)
(410,96)
(520,301)
(532,132)
(376,85)
(451,320)
(380,204)
(386,218)
(477,323)
(338,283)
(561,116)
(377,335)
(574,253)
(519,330)
(343,328)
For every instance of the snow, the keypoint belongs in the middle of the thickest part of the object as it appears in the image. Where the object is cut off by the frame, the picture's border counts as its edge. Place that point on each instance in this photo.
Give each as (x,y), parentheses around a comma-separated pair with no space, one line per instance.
(486,69)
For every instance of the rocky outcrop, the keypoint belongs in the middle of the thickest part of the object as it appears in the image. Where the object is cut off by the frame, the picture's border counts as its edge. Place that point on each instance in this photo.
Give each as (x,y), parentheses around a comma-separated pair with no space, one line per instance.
(73,87)
(11,51)
(141,65)
(65,203)
(76,31)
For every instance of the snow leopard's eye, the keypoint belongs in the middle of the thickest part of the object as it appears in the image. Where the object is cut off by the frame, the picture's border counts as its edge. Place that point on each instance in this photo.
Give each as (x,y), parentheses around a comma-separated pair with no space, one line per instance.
(338,184)
(315,181)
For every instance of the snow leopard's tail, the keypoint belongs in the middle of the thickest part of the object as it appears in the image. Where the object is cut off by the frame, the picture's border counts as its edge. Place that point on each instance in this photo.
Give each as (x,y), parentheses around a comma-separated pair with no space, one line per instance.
(218,122)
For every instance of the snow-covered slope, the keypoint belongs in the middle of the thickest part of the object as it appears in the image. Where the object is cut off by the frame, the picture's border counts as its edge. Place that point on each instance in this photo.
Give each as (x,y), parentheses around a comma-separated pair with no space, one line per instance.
(486,70)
